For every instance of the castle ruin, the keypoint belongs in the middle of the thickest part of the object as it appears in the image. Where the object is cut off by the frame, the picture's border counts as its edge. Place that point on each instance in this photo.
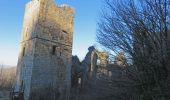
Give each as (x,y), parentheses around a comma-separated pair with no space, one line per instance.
(96,78)
(44,63)
(47,70)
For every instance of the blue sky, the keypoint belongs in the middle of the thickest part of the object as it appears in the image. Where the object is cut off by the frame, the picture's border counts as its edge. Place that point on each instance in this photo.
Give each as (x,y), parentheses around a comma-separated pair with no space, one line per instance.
(11,19)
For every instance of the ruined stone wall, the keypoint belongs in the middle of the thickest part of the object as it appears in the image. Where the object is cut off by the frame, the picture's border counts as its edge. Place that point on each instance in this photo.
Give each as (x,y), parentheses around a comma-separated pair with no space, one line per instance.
(102,81)
(103,57)
(46,49)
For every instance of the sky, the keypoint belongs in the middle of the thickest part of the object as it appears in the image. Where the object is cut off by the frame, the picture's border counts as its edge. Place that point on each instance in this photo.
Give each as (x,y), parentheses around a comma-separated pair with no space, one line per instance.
(87,13)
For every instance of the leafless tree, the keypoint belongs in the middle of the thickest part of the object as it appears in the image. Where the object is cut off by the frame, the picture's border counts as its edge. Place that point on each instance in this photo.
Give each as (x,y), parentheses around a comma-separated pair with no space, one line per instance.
(140,28)
(7,77)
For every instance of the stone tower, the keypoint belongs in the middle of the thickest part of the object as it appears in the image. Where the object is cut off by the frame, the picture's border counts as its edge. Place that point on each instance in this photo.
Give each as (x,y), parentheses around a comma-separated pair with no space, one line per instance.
(44,63)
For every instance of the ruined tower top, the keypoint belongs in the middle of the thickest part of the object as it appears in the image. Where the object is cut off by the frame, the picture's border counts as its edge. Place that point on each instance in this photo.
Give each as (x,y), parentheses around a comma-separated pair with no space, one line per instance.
(42,0)
(46,1)
(47,12)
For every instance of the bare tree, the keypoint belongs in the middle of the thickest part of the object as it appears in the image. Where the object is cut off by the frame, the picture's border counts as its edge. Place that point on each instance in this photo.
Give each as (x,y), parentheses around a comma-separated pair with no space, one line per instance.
(7,77)
(140,28)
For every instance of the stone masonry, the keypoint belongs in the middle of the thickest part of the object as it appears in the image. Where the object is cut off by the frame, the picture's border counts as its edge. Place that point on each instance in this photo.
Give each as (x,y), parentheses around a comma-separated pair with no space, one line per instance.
(95,78)
(44,63)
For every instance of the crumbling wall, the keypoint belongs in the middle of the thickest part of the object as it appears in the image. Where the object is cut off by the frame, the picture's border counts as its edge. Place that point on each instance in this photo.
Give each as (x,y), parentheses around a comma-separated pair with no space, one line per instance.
(102,81)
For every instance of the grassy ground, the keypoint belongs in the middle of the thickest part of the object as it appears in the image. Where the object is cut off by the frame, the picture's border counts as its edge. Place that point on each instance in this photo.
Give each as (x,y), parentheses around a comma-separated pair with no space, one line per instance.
(4,95)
